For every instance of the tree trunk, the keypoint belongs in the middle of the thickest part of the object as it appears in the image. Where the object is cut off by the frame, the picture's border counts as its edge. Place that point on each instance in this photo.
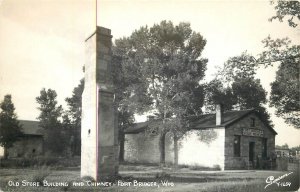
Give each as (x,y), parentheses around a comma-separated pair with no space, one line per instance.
(122,144)
(162,149)
(175,151)
(5,153)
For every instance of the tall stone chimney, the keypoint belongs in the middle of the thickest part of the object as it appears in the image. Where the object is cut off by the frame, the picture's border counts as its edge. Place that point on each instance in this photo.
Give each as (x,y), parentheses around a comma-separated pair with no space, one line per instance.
(219,114)
(99,134)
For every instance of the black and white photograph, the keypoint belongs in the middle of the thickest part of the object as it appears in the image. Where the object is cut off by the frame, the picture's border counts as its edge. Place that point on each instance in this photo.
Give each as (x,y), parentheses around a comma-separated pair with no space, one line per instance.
(149,95)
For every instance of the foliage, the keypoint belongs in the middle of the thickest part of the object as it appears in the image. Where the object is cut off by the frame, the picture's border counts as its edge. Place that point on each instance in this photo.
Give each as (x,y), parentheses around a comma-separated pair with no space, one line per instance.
(285,93)
(72,118)
(243,91)
(10,128)
(241,66)
(249,93)
(277,50)
(289,9)
(216,92)
(164,66)
(285,146)
(49,121)
(122,83)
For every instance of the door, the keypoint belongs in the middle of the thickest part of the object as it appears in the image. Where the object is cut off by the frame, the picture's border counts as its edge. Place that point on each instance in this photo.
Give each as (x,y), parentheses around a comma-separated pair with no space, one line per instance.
(251,151)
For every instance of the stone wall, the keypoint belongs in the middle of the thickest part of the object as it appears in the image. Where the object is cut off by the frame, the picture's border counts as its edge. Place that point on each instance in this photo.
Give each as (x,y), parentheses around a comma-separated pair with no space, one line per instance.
(194,151)
(242,162)
(28,147)
(143,148)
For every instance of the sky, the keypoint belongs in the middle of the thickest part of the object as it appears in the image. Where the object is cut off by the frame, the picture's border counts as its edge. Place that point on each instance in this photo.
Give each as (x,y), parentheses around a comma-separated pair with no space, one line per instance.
(42,41)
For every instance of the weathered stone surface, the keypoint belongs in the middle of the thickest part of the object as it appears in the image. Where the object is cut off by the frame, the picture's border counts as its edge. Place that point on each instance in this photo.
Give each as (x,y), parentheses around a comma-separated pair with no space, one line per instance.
(99,133)
(145,148)
(28,147)
(219,152)
(242,162)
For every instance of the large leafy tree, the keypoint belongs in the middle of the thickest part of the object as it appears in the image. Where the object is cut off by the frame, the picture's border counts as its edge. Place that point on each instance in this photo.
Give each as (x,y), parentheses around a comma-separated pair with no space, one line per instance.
(122,87)
(285,93)
(50,121)
(10,128)
(244,90)
(165,66)
(72,118)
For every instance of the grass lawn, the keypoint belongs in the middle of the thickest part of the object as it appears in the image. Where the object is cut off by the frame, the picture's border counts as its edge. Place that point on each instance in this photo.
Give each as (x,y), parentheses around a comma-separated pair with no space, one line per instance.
(181,180)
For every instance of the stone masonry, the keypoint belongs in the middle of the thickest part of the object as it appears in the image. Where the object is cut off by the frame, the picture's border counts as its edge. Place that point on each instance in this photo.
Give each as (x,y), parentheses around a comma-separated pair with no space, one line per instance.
(241,162)
(99,135)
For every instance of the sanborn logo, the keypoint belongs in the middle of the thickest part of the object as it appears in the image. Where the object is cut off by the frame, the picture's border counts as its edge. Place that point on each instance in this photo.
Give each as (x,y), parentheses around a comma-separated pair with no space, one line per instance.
(270,180)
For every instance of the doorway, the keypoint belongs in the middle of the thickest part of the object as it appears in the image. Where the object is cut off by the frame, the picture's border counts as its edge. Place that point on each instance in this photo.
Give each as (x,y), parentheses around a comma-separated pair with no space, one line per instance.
(251,151)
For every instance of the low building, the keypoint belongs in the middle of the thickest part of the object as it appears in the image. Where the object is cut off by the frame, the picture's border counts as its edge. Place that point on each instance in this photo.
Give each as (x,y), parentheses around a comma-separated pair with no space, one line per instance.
(282,151)
(230,140)
(29,144)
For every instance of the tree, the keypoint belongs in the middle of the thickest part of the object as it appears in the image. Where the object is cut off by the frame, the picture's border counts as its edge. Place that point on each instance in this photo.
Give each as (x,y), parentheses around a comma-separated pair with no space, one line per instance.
(49,121)
(247,91)
(164,66)
(72,118)
(287,8)
(10,128)
(285,94)
(124,105)
(216,92)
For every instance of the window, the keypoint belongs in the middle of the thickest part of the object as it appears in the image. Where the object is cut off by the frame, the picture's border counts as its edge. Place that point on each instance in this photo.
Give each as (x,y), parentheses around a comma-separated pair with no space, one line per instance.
(252,122)
(237,146)
(264,147)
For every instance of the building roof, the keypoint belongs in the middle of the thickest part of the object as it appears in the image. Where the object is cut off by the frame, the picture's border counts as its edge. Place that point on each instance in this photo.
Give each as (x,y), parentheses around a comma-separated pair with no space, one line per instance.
(203,121)
(30,127)
(139,127)
(209,120)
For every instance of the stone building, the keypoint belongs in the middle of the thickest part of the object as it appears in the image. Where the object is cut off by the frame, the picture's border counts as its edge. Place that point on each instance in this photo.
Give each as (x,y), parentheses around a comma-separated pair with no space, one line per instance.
(229,140)
(29,144)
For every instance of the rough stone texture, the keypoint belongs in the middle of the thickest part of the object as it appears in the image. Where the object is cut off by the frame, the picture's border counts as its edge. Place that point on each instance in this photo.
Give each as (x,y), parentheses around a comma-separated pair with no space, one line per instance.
(99,133)
(242,162)
(194,151)
(88,122)
(145,149)
(27,146)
